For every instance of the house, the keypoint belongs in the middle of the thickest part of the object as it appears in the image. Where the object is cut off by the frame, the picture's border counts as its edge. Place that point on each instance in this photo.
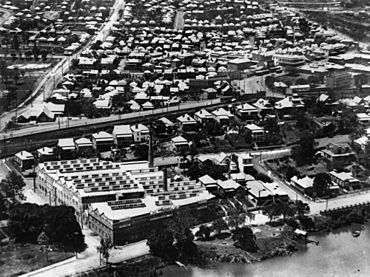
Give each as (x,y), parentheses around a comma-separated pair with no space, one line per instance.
(25,160)
(203,116)
(209,183)
(245,162)
(164,126)
(228,188)
(215,158)
(264,193)
(247,112)
(364,118)
(258,193)
(102,141)
(345,180)
(66,149)
(56,109)
(289,103)
(239,64)
(180,143)
(304,185)
(122,135)
(337,156)
(264,106)
(241,178)
(289,60)
(222,116)
(45,154)
(187,123)
(140,133)
(84,146)
(39,113)
(257,132)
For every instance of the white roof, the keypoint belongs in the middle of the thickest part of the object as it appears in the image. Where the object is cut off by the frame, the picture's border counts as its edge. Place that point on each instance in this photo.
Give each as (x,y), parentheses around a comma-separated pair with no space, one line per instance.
(241,176)
(150,206)
(247,107)
(203,114)
(102,136)
(257,189)
(139,128)
(122,130)
(305,182)
(221,112)
(66,143)
(45,151)
(228,184)
(254,127)
(206,180)
(166,121)
(83,141)
(186,119)
(24,155)
(344,176)
(179,140)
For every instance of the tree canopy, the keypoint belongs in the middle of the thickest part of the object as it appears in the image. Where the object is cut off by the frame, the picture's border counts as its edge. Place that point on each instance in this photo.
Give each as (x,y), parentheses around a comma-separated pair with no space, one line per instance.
(13,184)
(321,184)
(27,221)
(304,152)
(245,239)
(175,240)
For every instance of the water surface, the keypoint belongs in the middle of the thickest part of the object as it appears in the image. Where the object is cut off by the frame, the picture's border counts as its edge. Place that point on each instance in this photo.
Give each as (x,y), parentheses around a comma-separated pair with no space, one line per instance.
(338,254)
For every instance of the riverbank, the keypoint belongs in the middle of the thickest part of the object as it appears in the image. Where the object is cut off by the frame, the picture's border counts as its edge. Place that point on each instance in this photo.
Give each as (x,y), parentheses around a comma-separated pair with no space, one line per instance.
(274,241)
(271,242)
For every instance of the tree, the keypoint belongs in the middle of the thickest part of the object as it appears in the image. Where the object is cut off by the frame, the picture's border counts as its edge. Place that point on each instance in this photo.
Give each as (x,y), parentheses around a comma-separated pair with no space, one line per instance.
(15,43)
(183,237)
(287,210)
(348,121)
(13,185)
(301,208)
(161,244)
(194,171)
(141,151)
(307,223)
(3,207)
(105,245)
(213,128)
(27,221)
(273,210)
(219,225)
(89,109)
(3,70)
(44,240)
(204,232)
(304,152)
(236,219)
(321,184)
(245,239)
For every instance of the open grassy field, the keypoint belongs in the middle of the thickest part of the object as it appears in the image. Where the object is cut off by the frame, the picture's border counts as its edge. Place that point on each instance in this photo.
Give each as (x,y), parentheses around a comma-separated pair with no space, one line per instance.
(17,259)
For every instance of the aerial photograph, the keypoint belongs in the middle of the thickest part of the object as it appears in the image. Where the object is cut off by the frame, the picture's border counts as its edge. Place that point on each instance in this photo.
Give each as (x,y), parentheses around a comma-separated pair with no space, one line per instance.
(184,138)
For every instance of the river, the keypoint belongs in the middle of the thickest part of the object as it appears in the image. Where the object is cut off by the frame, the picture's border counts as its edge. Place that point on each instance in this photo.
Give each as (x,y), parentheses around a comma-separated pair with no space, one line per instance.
(338,254)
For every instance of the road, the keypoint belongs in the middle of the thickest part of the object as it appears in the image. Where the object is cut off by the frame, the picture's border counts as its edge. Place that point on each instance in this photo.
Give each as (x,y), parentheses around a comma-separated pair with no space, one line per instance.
(179,20)
(320,205)
(47,84)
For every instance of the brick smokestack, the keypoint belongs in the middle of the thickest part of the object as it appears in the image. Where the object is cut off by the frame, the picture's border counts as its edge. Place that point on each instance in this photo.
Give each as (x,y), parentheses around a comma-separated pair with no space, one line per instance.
(165,181)
(150,149)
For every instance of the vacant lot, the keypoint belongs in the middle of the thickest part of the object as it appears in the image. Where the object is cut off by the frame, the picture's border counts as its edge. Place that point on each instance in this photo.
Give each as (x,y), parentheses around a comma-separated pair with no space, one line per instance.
(17,259)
